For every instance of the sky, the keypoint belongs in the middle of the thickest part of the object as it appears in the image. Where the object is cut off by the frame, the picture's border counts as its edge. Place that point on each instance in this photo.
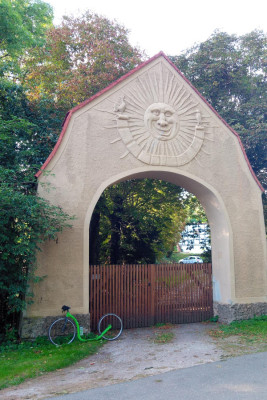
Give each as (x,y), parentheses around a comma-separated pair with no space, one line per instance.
(172,26)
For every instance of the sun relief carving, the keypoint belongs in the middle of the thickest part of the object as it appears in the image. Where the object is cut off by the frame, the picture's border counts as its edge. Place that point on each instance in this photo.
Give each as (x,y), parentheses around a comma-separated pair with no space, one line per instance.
(159,122)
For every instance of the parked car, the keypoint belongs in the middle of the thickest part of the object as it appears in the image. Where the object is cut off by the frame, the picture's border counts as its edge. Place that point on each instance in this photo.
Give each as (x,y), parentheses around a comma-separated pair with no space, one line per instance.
(191,260)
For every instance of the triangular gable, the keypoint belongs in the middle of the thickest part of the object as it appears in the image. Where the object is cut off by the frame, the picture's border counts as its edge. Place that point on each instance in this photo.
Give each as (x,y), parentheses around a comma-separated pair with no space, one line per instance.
(120,80)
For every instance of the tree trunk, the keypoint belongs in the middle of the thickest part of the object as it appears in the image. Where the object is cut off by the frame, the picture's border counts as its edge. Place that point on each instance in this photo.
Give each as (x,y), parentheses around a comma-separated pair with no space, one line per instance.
(94,245)
(115,219)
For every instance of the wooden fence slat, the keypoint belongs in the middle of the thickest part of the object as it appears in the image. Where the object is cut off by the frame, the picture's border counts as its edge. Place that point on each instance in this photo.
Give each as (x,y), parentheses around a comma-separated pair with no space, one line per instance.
(127,296)
(152,293)
(130,271)
(144,284)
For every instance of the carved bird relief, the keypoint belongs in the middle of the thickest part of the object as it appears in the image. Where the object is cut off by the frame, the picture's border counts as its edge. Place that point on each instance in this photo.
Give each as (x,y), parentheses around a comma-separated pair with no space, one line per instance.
(120,106)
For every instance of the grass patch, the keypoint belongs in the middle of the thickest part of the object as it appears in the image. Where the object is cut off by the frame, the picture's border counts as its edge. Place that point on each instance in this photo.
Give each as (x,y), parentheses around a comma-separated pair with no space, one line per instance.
(31,359)
(242,337)
(163,337)
(163,333)
(252,329)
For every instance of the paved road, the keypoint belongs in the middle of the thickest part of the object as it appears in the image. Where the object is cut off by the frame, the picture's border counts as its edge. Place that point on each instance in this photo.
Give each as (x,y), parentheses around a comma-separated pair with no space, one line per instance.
(240,378)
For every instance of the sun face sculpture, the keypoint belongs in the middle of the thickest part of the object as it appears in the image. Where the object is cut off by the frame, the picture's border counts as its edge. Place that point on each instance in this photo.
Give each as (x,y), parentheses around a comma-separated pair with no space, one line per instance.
(158,120)
(161,121)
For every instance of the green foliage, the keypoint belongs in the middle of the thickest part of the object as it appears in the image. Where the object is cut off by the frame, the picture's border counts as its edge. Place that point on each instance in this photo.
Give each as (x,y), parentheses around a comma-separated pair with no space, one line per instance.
(195,211)
(254,329)
(230,72)
(26,221)
(28,131)
(8,338)
(26,140)
(10,341)
(31,359)
(206,255)
(23,25)
(141,221)
(82,56)
(214,319)
(137,221)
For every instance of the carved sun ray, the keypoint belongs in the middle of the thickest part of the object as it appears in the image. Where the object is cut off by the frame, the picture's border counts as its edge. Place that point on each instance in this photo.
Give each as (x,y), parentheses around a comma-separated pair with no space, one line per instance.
(159,121)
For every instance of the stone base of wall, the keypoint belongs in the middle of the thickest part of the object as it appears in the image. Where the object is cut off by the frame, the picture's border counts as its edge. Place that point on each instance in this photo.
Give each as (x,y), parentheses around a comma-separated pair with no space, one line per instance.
(235,312)
(38,326)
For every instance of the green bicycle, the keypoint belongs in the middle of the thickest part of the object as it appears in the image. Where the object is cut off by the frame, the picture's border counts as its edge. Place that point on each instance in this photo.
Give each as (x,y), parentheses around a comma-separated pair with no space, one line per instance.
(64,330)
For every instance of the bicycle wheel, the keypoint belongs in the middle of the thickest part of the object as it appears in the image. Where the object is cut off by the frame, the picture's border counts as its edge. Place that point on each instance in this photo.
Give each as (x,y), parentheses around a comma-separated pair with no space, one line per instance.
(62,331)
(116,326)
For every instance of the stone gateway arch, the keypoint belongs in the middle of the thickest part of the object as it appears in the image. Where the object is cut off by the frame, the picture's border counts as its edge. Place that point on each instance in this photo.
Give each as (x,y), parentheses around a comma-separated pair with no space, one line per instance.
(152,123)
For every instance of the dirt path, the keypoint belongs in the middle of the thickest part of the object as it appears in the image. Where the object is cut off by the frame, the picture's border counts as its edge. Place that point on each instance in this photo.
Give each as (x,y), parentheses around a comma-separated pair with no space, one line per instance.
(133,356)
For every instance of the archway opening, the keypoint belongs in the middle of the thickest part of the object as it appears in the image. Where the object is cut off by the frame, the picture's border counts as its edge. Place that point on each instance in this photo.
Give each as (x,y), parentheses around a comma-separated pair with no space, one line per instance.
(215,213)
(148,221)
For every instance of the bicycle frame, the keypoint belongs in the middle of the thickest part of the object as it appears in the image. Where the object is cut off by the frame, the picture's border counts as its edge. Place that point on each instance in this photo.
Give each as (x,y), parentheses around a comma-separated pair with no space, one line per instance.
(98,337)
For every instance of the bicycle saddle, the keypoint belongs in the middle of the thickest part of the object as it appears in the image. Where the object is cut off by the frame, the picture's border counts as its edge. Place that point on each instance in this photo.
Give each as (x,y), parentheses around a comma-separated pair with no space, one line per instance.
(65,308)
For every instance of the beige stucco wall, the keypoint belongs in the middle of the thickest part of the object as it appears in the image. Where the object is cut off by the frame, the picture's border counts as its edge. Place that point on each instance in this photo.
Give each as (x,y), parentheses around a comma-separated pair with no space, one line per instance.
(103,145)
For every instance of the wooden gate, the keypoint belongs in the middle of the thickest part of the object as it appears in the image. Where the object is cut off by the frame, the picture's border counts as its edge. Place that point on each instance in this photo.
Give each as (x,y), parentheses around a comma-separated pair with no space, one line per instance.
(143,295)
